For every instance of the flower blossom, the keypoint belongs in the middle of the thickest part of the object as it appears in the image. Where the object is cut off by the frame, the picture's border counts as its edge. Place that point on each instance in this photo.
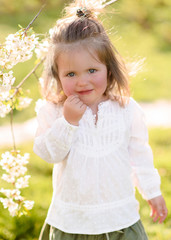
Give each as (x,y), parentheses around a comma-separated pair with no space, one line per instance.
(18,48)
(11,205)
(28,204)
(51,32)
(14,165)
(6,81)
(23,102)
(4,109)
(22,182)
(42,49)
(14,193)
(42,82)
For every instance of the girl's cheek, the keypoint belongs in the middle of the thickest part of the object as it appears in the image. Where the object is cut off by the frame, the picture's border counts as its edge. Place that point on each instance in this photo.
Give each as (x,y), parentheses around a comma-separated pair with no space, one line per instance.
(101,83)
(68,89)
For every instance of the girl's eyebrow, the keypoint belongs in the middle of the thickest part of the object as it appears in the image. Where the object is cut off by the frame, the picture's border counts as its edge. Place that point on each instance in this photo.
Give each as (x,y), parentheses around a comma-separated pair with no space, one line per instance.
(68,71)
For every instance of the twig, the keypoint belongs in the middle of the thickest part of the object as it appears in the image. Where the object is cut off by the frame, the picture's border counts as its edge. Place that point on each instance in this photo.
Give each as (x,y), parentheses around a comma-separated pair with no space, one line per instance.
(34,19)
(36,76)
(12,129)
(26,77)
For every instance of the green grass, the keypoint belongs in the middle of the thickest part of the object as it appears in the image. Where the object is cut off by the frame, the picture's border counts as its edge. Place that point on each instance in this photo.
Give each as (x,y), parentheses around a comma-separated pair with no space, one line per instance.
(40,190)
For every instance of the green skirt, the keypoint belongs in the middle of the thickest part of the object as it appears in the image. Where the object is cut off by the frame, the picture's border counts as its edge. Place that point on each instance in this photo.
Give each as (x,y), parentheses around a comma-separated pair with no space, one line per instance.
(134,232)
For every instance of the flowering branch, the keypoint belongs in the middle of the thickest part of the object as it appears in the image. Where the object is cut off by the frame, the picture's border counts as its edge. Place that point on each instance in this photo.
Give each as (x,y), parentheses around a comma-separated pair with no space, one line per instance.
(17,48)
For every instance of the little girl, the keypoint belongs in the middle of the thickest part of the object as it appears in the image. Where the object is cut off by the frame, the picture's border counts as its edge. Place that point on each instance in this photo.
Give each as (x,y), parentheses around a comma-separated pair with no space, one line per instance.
(94,134)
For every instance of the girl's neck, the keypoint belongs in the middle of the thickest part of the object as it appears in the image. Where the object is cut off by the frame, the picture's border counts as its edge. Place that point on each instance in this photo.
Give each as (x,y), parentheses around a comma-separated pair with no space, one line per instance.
(94,107)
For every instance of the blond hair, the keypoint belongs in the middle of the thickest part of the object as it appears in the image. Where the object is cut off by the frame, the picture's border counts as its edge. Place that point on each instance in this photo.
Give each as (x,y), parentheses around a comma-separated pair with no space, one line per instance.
(80,26)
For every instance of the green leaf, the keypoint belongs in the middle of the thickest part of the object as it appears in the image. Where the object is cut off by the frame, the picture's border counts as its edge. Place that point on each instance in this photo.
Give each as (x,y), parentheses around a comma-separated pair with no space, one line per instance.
(20,26)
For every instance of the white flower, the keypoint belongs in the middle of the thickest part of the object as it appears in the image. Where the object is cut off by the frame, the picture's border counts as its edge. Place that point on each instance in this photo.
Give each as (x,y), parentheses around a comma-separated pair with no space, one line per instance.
(42,49)
(28,204)
(51,32)
(22,182)
(18,171)
(7,80)
(8,161)
(13,208)
(18,48)
(8,178)
(13,165)
(42,82)
(39,104)
(4,93)
(10,204)
(24,102)
(4,109)
(6,192)
(13,194)
(25,158)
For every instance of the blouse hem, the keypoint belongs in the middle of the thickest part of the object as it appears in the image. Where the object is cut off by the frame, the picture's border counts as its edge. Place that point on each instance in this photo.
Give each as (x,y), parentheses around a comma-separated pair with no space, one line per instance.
(51,223)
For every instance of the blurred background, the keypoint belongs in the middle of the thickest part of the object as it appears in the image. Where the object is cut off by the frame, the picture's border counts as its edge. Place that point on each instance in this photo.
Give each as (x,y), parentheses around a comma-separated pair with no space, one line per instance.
(139,29)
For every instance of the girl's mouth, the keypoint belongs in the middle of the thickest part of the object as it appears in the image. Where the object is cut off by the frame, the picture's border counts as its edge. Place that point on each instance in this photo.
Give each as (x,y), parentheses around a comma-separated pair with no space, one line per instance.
(85,92)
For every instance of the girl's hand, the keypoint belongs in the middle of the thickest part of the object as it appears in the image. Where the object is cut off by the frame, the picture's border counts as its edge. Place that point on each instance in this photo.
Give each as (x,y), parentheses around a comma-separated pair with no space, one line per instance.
(158,208)
(74,109)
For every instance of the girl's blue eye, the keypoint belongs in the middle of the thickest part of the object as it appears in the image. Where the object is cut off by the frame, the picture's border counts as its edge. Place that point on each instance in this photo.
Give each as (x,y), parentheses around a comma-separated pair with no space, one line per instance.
(71,74)
(92,70)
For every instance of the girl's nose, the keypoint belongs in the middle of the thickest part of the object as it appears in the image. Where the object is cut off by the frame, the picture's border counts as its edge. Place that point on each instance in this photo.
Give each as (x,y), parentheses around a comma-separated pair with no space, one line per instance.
(82,80)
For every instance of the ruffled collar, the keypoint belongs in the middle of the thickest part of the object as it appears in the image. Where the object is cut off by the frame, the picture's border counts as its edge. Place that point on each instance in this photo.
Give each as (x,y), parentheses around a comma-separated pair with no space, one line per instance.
(91,118)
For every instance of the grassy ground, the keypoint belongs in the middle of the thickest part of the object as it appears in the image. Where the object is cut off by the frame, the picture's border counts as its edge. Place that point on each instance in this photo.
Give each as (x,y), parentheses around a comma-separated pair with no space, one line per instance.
(40,190)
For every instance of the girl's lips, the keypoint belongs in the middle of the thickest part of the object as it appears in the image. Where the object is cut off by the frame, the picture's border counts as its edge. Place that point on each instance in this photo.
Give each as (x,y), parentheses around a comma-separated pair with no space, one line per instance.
(84,92)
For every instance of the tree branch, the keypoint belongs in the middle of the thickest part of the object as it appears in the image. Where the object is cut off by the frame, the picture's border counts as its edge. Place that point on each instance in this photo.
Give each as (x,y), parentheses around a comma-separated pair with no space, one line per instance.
(36,76)
(34,19)
(12,129)
(26,77)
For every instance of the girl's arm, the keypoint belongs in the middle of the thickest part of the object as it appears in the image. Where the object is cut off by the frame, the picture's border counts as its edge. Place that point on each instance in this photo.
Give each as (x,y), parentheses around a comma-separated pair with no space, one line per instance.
(146,177)
(54,135)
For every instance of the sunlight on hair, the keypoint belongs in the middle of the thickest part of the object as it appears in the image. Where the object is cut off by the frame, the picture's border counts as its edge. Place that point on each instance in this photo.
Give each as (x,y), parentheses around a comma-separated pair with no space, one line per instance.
(135,67)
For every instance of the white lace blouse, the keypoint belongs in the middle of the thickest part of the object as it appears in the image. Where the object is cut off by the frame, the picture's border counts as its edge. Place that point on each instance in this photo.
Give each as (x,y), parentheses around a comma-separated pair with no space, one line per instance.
(96,167)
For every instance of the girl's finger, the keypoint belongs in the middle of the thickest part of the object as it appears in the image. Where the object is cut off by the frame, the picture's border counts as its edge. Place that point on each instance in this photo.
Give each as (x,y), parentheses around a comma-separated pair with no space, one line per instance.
(72,97)
(156,217)
(83,105)
(163,215)
(162,218)
(152,212)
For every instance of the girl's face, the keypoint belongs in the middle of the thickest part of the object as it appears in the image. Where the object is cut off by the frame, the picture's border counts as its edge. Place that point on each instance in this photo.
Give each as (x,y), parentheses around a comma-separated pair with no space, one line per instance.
(82,74)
